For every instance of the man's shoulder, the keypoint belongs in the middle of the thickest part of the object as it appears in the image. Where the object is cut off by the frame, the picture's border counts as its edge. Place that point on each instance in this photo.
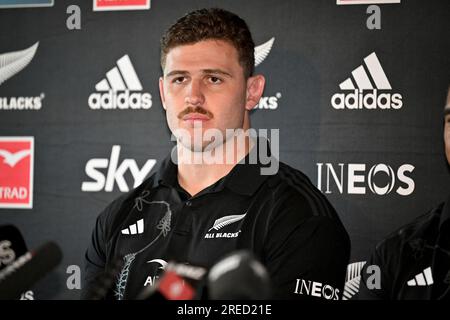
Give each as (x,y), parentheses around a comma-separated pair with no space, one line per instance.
(295,190)
(297,209)
(411,234)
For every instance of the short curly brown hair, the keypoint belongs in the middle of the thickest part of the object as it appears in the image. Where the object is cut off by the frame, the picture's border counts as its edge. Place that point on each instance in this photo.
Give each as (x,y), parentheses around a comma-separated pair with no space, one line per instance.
(213,23)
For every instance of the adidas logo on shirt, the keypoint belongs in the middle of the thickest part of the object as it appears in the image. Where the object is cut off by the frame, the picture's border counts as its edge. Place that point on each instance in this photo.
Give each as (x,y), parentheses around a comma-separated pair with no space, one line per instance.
(135,228)
(120,89)
(425,278)
(366,92)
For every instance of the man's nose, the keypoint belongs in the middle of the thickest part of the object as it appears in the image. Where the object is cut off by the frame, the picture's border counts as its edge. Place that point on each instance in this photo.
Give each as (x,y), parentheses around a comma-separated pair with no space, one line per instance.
(194,94)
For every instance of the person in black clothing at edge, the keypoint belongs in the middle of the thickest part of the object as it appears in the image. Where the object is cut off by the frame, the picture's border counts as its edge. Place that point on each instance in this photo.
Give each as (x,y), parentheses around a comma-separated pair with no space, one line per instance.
(195,213)
(415,260)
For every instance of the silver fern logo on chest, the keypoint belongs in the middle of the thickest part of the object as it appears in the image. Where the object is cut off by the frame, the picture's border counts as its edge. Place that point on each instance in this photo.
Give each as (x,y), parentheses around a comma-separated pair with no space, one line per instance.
(223,222)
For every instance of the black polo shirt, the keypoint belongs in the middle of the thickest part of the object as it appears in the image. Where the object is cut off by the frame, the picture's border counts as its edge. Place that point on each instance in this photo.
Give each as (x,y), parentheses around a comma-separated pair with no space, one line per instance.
(414,261)
(282,218)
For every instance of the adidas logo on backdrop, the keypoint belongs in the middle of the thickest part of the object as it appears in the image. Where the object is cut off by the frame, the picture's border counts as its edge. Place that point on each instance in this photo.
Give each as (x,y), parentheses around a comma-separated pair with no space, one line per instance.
(367,93)
(121,89)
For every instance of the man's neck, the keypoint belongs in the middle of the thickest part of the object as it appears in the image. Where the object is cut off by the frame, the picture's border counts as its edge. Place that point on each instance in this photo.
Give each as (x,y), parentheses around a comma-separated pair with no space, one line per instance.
(194,174)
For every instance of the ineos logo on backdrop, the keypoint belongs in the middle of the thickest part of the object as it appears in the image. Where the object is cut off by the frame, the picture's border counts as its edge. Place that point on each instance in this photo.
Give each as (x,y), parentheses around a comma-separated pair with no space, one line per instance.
(358,178)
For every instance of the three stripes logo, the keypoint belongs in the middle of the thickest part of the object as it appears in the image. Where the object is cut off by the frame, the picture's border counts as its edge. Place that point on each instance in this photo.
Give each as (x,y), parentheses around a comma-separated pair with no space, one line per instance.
(135,228)
(425,278)
(121,89)
(366,92)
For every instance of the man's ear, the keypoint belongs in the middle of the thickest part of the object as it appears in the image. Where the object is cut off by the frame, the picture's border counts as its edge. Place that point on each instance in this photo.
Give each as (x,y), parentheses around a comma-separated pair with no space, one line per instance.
(255,89)
(161,92)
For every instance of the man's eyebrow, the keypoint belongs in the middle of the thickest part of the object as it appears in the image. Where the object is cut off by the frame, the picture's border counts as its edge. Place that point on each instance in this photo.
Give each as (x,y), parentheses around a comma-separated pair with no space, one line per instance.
(216,71)
(204,71)
(447,110)
(176,72)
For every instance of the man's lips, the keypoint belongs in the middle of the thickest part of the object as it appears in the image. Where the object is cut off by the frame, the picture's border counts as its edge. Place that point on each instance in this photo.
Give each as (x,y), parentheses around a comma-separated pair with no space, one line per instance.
(195,116)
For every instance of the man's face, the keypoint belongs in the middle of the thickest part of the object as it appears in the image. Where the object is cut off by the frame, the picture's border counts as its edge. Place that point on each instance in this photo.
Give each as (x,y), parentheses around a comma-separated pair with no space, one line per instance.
(447,128)
(203,85)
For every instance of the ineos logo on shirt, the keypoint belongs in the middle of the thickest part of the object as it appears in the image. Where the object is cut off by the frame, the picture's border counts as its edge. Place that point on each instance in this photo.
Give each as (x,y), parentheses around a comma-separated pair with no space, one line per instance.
(316,289)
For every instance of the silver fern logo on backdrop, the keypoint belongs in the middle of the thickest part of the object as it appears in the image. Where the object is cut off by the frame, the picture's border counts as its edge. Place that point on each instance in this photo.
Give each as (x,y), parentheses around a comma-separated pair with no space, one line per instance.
(367,89)
(11,63)
(261,53)
(120,89)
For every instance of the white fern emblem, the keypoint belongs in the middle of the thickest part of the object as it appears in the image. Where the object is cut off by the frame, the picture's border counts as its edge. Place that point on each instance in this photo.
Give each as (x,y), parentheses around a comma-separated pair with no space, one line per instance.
(262,51)
(352,279)
(224,221)
(123,276)
(13,62)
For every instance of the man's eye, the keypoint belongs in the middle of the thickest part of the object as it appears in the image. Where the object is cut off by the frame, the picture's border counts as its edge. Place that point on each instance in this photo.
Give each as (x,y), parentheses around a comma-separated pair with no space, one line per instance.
(215,80)
(178,80)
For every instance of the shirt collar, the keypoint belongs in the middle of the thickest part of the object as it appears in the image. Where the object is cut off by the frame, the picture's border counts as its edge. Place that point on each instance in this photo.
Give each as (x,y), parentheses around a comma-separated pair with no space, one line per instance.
(167,172)
(245,177)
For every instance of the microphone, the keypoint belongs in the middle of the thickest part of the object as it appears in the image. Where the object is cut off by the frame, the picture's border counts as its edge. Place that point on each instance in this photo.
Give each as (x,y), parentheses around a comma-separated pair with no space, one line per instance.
(28,269)
(178,282)
(238,276)
(12,245)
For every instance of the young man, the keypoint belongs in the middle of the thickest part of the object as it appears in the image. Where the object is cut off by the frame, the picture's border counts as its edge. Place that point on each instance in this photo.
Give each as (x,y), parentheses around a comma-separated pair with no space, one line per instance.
(195,212)
(415,260)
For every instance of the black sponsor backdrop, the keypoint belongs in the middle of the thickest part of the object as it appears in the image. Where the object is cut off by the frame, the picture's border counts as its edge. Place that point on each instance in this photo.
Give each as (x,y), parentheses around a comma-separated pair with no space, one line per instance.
(317,46)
